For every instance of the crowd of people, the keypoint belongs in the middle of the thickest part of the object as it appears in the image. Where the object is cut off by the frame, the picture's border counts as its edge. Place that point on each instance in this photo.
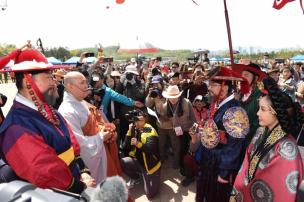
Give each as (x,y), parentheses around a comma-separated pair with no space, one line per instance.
(234,131)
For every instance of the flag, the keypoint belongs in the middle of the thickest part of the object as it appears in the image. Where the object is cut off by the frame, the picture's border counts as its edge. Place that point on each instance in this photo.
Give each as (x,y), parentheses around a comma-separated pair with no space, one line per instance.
(278,4)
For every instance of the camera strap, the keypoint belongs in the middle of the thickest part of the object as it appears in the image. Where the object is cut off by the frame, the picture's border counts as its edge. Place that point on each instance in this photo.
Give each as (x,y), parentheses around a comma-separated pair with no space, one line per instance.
(173,111)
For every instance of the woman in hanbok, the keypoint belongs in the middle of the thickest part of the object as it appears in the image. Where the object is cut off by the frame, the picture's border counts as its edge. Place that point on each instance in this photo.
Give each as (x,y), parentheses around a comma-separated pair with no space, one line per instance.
(272,168)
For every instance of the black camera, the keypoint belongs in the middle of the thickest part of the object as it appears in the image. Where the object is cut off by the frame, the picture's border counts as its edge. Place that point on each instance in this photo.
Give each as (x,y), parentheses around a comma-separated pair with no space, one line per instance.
(129,76)
(133,115)
(155,92)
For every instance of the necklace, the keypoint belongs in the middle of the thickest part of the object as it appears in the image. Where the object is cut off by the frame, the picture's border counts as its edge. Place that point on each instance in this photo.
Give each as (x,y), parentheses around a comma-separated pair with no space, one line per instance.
(44,109)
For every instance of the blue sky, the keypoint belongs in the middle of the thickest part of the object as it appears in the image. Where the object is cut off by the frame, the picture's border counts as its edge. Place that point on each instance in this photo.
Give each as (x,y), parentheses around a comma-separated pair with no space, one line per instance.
(168,24)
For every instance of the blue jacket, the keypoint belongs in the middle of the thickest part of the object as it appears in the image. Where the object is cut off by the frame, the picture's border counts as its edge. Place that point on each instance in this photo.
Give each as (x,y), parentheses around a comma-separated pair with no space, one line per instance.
(113,95)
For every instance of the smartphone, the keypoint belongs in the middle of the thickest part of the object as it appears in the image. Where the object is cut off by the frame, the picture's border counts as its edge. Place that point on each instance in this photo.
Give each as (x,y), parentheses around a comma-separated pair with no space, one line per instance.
(107,60)
(89,55)
(194,128)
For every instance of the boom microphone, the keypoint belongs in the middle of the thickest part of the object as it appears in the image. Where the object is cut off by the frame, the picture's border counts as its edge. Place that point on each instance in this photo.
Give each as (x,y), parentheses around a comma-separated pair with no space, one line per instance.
(113,189)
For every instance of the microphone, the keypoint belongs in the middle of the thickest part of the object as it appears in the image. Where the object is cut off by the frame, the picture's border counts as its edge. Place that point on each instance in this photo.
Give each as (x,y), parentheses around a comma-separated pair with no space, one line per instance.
(112,189)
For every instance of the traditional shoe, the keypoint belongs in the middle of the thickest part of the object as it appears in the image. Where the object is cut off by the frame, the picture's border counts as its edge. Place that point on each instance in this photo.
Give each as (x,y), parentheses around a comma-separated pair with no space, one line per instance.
(132,182)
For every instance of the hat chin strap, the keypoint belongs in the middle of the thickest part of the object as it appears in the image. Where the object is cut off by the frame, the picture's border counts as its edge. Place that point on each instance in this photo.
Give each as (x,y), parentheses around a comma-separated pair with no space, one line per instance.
(214,103)
(43,108)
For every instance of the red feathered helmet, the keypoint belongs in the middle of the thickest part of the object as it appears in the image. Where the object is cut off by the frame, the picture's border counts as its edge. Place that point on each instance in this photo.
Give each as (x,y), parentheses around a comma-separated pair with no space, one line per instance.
(27,61)
(226,74)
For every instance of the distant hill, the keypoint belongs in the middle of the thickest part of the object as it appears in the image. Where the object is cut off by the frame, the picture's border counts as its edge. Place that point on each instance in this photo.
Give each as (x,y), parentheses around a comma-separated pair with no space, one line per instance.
(111,51)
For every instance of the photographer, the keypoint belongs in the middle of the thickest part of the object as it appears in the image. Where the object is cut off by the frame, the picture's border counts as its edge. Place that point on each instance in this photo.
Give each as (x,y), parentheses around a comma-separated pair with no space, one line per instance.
(141,143)
(196,86)
(156,86)
(106,94)
(176,116)
(133,89)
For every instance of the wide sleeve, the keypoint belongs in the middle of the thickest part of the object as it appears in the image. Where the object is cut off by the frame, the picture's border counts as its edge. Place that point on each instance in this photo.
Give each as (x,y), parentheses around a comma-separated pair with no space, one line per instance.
(230,156)
(35,161)
(281,173)
(89,143)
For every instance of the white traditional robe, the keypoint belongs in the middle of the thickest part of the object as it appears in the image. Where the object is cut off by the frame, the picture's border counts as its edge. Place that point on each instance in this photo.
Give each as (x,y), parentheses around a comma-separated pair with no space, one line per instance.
(92,149)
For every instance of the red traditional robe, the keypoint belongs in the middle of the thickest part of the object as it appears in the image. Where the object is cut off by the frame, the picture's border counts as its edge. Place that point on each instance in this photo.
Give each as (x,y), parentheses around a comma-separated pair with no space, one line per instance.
(278,174)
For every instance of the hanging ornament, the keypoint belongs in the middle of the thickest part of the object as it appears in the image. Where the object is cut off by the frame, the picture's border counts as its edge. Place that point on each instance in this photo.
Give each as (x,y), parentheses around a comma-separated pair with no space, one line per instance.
(195,2)
(120,1)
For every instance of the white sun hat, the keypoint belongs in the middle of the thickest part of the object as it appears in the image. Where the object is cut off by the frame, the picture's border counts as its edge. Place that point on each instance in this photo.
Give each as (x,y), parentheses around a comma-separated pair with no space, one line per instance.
(172,92)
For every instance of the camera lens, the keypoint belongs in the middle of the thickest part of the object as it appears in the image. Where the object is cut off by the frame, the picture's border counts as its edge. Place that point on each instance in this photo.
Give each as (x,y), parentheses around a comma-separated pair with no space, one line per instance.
(129,76)
(154,93)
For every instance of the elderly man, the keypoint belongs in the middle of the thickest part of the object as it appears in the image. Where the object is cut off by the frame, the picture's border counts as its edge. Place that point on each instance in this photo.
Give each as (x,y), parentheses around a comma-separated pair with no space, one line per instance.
(35,140)
(96,139)
(222,138)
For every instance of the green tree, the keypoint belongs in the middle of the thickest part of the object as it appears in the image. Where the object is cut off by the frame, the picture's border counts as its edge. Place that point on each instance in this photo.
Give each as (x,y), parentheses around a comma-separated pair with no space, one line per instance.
(59,53)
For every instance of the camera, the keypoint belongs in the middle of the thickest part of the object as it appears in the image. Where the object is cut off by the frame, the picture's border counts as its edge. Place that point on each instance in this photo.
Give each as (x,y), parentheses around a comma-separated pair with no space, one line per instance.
(155,92)
(129,76)
(133,115)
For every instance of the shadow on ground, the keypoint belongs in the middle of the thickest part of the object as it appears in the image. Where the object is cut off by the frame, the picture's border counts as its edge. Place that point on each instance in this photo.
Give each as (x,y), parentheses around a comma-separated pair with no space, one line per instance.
(171,189)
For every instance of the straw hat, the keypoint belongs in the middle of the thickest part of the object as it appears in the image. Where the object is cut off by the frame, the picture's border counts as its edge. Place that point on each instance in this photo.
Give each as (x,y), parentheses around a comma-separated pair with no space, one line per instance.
(172,92)
(60,73)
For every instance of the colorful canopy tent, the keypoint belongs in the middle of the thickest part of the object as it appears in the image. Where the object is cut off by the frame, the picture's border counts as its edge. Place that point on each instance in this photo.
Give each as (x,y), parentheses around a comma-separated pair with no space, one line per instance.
(54,61)
(217,59)
(73,60)
(298,58)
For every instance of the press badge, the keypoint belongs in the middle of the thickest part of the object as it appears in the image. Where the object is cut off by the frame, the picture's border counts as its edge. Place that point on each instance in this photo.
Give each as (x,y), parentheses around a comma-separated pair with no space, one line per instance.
(178,131)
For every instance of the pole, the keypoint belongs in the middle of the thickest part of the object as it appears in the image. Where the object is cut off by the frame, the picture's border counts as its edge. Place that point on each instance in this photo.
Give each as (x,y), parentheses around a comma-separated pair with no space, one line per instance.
(229,34)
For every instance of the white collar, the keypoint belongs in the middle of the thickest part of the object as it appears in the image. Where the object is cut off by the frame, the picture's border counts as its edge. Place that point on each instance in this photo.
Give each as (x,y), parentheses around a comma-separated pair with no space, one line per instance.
(23,100)
(227,99)
(69,97)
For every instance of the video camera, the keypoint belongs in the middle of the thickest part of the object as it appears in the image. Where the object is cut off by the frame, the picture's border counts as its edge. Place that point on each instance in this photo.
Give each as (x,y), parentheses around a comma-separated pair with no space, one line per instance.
(23,191)
(129,76)
(155,92)
(133,115)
